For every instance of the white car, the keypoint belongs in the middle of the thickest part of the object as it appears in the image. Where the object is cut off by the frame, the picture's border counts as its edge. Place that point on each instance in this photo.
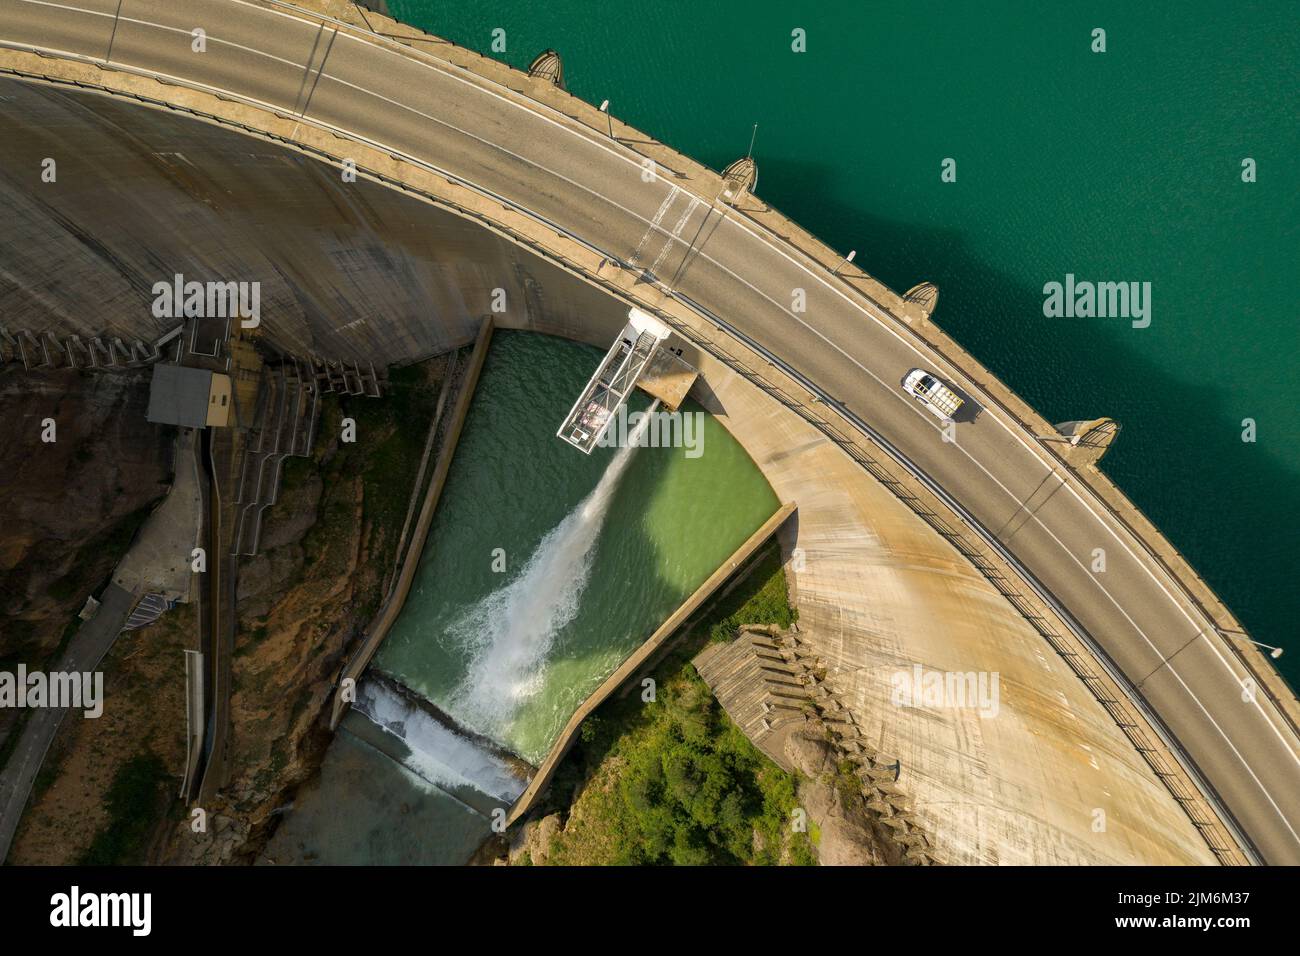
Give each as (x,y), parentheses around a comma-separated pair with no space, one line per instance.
(932,393)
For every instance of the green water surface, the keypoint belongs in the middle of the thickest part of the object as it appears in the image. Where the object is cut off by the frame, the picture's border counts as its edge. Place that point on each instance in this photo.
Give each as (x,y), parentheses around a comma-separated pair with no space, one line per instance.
(510,644)
(1115,166)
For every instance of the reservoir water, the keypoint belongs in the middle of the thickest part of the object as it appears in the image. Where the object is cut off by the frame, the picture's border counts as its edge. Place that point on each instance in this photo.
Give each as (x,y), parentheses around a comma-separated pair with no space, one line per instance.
(544,569)
(1117,166)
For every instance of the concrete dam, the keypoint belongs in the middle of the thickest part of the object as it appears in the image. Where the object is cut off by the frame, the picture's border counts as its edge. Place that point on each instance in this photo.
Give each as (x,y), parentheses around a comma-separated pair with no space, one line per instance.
(389,193)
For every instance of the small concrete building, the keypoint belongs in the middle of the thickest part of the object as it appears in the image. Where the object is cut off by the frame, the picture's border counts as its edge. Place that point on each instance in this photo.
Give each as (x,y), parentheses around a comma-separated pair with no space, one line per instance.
(191,397)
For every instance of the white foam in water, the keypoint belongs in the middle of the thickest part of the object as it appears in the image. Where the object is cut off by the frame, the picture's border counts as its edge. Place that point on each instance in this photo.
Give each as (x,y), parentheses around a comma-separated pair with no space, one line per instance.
(512,629)
(438,754)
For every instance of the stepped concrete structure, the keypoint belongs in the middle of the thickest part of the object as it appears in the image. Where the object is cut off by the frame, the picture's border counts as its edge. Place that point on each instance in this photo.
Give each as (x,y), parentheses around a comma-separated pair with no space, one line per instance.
(388,191)
(775,686)
(879,593)
(760,689)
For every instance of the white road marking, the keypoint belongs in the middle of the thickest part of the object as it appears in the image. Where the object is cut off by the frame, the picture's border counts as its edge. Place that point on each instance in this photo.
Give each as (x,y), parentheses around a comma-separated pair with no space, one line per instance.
(814,271)
(654,224)
(677,231)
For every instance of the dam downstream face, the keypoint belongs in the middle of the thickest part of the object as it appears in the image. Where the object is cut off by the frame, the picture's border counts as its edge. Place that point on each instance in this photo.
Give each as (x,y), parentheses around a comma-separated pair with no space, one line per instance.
(598,551)
(544,568)
(1170,123)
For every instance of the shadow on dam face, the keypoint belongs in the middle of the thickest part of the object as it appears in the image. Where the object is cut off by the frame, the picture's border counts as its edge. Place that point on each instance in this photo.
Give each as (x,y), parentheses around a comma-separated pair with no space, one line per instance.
(363,272)
(353,270)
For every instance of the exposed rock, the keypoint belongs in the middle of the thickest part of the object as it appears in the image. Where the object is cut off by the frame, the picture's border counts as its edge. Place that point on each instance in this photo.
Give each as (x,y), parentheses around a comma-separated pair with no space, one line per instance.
(291,639)
(295,513)
(811,755)
(69,506)
(532,842)
(144,712)
(220,844)
(302,602)
(848,835)
(263,577)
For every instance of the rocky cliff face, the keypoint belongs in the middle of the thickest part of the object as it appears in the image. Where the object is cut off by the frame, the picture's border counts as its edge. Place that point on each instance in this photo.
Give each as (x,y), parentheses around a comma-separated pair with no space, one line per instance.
(833,797)
(301,600)
(299,608)
(69,508)
(327,556)
(69,512)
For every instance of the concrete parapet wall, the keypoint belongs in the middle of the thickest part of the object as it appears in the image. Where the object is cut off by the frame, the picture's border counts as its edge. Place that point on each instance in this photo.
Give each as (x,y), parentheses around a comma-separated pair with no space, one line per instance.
(552,301)
(388,614)
(687,174)
(707,183)
(879,592)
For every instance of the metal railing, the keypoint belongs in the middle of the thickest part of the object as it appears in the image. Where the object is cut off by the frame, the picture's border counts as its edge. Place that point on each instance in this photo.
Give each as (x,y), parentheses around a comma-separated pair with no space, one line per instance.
(855,451)
(1177,575)
(990,571)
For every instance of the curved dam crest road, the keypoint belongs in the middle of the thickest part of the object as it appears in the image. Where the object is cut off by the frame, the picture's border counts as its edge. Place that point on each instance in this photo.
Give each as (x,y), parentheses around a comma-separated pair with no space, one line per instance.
(594,189)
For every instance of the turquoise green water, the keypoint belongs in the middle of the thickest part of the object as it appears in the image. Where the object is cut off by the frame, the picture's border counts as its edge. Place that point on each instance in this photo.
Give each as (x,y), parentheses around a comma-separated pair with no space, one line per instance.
(543,572)
(597,552)
(1117,166)
(365,809)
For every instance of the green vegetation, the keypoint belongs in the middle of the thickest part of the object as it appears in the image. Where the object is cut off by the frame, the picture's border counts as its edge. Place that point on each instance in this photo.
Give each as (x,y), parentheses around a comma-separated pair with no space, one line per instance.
(390,437)
(391,464)
(136,800)
(760,598)
(365,491)
(674,781)
(251,639)
(295,473)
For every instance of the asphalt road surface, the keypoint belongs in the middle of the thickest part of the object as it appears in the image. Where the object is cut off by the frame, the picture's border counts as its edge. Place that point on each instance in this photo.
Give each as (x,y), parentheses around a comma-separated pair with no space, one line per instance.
(594,189)
(86,649)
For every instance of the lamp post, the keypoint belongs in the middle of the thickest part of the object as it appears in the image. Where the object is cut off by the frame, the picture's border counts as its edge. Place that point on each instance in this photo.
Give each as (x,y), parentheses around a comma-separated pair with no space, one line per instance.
(1273,652)
(604,108)
(726,195)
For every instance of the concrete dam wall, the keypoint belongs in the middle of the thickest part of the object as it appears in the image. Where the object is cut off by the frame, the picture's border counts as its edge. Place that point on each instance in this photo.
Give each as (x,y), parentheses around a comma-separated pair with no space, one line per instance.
(364,272)
(354,271)
(525,160)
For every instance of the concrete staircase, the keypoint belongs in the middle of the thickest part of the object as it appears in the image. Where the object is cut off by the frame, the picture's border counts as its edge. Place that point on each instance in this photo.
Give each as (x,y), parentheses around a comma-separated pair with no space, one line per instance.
(149,609)
(772,684)
(284,424)
(761,692)
(47,350)
(878,772)
(345,377)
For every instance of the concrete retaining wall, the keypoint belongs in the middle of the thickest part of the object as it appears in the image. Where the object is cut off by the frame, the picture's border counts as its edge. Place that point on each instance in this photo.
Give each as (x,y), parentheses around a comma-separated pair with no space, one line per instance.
(562,294)
(638,659)
(379,629)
